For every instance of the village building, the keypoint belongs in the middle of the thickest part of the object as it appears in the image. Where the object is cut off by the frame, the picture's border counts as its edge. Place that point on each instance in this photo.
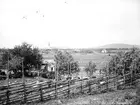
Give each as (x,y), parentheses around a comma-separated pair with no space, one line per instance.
(48,65)
(104,51)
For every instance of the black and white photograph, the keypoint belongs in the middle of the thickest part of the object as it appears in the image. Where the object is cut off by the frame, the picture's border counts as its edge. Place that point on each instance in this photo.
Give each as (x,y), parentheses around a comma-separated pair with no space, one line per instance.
(69,52)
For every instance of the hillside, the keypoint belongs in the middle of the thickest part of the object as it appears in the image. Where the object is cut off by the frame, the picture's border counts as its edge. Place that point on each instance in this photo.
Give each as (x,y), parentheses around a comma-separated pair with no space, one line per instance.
(119,45)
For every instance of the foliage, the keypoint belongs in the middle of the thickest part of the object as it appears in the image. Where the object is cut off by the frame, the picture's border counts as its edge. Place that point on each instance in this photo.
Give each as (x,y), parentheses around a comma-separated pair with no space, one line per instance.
(26,53)
(48,75)
(128,96)
(63,57)
(104,70)
(31,56)
(65,63)
(125,62)
(137,99)
(90,68)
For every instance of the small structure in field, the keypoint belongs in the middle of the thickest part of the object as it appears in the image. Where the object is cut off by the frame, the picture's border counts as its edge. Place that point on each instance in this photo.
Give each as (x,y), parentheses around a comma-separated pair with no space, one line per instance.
(104,51)
(48,65)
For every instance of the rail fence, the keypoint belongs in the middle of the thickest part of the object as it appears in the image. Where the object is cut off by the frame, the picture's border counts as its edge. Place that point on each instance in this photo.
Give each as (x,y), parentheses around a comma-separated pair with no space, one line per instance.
(32,92)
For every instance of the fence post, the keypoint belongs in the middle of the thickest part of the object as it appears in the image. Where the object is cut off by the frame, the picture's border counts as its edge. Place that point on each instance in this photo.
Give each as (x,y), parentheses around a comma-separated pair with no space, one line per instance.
(56,79)
(131,77)
(23,80)
(55,90)
(115,82)
(124,77)
(41,93)
(81,86)
(7,94)
(107,83)
(24,92)
(99,86)
(68,88)
(107,77)
(69,68)
(89,87)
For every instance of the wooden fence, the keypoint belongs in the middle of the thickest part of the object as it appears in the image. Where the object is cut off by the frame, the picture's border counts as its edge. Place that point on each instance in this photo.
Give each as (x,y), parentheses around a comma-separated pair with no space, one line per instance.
(31,92)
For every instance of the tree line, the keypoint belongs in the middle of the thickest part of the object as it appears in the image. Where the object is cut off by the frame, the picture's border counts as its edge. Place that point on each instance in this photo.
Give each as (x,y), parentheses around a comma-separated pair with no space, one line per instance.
(121,63)
(21,55)
(125,62)
(29,57)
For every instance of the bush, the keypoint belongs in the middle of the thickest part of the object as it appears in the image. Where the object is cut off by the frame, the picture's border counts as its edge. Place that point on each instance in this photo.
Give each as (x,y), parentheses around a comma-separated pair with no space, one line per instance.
(138,89)
(137,100)
(128,96)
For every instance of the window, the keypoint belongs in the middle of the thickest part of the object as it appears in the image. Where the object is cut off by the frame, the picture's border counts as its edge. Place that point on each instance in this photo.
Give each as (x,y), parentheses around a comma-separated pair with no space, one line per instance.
(51,68)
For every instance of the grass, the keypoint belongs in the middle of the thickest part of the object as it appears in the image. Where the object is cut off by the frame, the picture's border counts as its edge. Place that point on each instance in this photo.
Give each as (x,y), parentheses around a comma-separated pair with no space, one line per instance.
(83,59)
(110,98)
(99,59)
(20,80)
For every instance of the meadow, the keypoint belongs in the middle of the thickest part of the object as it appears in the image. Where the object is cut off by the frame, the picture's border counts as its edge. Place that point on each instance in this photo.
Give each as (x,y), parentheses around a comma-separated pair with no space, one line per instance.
(111,98)
(83,59)
(100,59)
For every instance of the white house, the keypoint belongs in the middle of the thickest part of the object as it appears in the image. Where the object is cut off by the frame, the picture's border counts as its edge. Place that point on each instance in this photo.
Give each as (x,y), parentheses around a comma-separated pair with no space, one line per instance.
(48,65)
(104,51)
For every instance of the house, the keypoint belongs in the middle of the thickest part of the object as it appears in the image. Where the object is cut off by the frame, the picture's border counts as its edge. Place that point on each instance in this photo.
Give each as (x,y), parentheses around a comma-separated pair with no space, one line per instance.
(104,51)
(48,65)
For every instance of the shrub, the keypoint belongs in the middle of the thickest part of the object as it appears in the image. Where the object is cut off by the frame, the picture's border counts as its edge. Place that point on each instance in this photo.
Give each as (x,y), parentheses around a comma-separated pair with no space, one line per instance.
(128,96)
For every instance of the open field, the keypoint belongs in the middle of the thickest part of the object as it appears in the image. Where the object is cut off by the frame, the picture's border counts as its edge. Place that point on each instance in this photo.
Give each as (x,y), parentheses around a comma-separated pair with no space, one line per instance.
(83,59)
(99,59)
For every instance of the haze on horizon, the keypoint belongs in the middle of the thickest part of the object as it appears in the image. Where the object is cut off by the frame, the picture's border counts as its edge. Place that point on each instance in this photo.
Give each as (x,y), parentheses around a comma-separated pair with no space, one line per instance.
(69,23)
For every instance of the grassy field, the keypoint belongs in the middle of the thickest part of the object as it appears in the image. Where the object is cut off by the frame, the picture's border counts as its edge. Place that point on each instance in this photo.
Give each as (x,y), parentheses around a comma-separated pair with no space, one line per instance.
(83,59)
(99,59)
(120,97)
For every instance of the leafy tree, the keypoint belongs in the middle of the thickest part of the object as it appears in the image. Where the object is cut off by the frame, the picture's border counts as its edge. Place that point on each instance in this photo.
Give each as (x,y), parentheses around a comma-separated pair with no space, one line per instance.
(63,57)
(30,56)
(90,69)
(104,70)
(65,61)
(125,62)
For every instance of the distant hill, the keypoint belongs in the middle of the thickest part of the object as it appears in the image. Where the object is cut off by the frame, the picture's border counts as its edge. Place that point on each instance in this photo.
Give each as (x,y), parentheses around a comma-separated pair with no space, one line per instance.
(119,45)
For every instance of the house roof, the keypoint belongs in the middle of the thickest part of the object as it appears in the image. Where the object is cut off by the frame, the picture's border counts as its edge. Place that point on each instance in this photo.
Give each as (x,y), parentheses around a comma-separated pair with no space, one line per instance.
(48,61)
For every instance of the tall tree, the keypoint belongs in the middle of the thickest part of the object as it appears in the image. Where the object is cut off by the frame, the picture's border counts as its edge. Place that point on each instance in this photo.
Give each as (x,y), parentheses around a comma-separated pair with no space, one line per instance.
(31,57)
(90,68)
(64,61)
(124,62)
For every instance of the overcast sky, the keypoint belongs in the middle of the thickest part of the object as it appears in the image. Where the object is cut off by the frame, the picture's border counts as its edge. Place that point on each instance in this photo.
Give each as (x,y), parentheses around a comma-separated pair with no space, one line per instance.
(69,23)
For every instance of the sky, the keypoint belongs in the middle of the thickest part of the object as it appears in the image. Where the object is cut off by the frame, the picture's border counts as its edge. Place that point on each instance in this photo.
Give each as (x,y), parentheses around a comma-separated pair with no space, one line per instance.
(69,23)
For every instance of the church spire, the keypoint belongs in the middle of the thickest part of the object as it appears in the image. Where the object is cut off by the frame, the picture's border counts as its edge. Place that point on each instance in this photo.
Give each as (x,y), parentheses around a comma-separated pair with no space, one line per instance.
(49,46)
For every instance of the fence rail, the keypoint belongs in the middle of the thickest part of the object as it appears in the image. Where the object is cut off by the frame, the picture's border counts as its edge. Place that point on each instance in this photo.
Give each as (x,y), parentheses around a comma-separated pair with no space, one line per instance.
(25,93)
